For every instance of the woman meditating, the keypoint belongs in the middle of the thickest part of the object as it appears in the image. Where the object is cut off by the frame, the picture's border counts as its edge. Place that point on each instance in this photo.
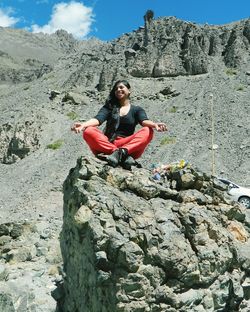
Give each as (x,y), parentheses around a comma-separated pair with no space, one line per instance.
(119,141)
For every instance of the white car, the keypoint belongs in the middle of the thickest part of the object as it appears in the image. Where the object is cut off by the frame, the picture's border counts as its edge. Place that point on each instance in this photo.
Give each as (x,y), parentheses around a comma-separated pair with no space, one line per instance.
(238,193)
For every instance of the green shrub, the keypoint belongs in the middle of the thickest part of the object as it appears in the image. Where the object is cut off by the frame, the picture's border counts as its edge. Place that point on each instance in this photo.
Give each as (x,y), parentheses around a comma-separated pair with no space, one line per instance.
(231,72)
(167,140)
(73,115)
(240,88)
(173,109)
(55,145)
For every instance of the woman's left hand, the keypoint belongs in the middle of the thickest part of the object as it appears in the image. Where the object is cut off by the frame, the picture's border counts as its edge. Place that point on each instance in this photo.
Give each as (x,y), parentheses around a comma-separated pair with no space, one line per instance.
(160,127)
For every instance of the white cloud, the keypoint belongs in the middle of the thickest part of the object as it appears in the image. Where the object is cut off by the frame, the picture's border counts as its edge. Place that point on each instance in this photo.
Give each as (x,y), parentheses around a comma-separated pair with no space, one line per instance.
(6,20)
(74,17)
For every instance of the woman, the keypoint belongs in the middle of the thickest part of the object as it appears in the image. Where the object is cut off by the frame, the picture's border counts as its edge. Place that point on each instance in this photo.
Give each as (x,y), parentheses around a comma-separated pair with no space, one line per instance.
(119,141)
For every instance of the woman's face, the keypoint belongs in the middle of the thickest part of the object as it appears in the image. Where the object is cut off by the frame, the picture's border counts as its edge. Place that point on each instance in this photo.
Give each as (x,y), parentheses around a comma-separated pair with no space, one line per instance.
(121,92)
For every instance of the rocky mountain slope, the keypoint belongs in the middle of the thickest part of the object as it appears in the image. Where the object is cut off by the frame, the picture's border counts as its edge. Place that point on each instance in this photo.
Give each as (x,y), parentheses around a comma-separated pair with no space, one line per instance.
(178,72)
(187,75)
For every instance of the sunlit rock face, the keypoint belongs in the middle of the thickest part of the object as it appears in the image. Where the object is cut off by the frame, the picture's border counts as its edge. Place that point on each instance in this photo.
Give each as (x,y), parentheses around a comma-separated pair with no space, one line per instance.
(132,244)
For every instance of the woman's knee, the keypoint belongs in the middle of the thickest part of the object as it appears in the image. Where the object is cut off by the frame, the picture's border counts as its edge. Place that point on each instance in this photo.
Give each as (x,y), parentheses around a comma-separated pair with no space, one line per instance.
(147,132)
(89,132)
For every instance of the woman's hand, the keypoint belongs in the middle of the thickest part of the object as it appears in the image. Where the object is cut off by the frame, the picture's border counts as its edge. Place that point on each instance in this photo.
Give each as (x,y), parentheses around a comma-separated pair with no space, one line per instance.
(160,127)
(78,127)
(81,126)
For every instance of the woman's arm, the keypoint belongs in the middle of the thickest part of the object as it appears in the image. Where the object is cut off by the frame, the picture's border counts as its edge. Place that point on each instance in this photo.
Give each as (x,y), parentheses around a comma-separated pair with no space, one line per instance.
(80,126)
(158,126)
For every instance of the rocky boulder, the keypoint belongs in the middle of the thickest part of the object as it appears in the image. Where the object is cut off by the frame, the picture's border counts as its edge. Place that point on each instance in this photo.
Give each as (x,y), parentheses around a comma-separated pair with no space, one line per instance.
(130,243)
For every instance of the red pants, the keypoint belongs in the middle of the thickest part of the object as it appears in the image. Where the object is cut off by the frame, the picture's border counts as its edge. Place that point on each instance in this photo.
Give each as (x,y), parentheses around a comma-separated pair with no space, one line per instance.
(135,143)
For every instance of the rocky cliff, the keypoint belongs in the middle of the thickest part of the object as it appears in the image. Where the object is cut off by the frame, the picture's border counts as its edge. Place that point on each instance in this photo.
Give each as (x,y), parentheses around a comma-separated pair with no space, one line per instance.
(130,243)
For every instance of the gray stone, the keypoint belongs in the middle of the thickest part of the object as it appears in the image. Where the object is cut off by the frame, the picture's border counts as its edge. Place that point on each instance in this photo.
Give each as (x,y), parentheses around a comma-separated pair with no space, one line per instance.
(75,98)
(188,248)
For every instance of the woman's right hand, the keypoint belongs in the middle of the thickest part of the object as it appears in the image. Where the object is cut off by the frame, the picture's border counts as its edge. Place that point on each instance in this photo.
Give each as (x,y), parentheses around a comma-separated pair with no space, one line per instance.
(78,127)
(160,127)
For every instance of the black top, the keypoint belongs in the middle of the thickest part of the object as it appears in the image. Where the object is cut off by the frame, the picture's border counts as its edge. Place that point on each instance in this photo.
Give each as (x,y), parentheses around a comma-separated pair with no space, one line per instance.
(127,123)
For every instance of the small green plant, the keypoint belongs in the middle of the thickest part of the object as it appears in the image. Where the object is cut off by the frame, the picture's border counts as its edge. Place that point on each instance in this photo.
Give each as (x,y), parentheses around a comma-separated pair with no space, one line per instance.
(231,72)
(73,115)
(167,140)
(240,88)
(173,109)
(55,145)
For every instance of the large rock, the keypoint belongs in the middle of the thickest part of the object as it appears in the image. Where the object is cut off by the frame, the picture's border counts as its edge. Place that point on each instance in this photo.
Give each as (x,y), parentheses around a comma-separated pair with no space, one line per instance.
(132,244)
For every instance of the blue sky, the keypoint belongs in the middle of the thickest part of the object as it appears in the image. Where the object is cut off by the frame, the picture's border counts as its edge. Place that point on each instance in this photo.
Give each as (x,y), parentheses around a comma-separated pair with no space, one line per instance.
(108,19)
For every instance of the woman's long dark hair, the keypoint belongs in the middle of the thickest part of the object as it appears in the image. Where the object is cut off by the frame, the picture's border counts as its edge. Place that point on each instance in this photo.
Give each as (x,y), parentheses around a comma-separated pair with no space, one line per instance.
(112,103)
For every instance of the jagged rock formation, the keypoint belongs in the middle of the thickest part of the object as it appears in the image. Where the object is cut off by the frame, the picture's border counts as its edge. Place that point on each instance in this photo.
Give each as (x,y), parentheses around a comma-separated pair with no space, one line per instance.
(165,47)
(131,244)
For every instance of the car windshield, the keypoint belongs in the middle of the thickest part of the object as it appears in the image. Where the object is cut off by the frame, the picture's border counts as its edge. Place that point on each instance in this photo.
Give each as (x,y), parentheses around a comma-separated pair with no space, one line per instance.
(228,183)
